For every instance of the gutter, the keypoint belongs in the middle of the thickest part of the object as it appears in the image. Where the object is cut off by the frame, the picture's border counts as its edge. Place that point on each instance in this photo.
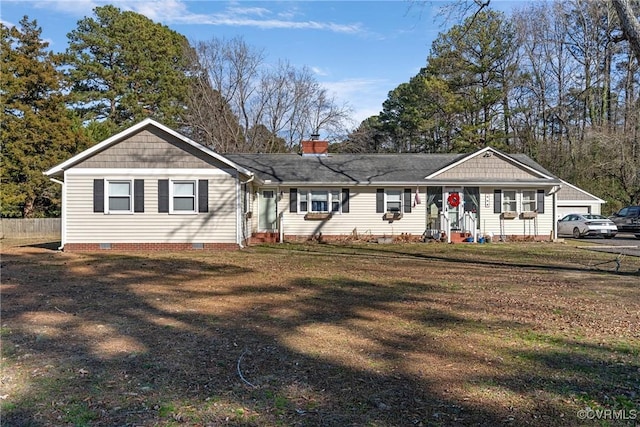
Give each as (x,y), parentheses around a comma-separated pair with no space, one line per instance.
(417,183)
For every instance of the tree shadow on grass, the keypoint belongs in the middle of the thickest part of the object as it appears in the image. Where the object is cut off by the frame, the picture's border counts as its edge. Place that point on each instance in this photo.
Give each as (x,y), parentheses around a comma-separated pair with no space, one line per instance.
(388,251)
(120,339)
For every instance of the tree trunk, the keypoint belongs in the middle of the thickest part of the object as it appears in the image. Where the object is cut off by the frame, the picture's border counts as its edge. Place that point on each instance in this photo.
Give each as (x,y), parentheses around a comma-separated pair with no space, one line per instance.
(630,25)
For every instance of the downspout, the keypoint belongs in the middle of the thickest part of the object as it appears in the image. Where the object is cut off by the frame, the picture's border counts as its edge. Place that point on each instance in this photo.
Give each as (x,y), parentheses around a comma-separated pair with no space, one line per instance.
(281,227)
(554,195)
(63,213)
(242,220)
(280,214)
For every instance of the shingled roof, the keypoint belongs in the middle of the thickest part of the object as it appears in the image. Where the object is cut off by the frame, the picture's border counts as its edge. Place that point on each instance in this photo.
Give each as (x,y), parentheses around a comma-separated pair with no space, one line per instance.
(344,168)
(353,168)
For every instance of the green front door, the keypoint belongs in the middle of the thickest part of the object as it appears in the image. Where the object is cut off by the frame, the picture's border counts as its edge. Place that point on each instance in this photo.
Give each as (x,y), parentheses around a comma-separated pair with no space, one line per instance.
(268,219)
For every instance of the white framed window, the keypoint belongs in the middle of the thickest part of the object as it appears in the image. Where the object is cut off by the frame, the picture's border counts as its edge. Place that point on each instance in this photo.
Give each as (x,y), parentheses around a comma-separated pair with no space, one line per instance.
(509,203)
(183,196)
(394,201)
(528,200)
(319,200)
(119,196)
(303,201)
(335,200)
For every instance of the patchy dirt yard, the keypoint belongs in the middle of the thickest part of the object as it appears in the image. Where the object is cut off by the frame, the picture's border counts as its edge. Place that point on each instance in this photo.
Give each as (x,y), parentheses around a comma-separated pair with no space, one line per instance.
(320,335)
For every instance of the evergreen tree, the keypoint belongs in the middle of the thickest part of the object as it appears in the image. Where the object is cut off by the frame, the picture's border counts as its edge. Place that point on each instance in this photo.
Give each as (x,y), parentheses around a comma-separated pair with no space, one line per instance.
(459,101)
(37,131)
(123,67)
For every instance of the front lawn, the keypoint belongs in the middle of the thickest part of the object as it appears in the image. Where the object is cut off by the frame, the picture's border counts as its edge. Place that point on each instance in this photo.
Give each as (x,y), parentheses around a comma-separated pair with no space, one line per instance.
(321,335)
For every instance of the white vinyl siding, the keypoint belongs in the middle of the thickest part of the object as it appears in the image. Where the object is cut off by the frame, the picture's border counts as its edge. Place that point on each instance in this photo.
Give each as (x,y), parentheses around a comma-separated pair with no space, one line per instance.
(219,225)
(363,219)
(362,216)
(490,222)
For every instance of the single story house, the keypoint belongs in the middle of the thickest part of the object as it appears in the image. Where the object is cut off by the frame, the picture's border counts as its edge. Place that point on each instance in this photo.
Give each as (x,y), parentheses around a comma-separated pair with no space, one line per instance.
(151,188)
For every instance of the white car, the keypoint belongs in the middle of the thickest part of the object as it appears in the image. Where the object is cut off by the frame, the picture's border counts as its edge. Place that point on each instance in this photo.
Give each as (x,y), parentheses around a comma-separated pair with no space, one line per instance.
(581,225)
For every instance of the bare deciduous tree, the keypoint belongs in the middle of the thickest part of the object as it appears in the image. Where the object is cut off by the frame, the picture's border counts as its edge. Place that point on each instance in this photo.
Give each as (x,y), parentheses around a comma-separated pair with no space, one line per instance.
(241,104)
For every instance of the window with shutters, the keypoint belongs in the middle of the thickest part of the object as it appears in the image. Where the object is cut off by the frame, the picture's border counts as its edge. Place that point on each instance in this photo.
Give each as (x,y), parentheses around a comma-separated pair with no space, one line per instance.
(529,200)
(183,197)
(119,196)
(319,201)
(509,201)
(394,201)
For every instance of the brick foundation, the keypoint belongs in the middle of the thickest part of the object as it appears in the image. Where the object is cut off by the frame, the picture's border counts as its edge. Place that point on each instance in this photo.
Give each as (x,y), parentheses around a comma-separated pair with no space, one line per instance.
(137,247)
(401,238)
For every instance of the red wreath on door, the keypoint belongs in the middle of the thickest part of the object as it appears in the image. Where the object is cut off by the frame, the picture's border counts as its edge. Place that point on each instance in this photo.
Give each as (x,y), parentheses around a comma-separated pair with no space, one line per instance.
(453,200)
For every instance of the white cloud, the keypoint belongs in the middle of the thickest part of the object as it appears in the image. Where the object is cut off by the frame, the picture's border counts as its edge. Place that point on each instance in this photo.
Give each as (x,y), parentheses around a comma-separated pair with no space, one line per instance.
(79,8)
(260,11)
(176,11)
(164,11)
(364,96)
(319,71)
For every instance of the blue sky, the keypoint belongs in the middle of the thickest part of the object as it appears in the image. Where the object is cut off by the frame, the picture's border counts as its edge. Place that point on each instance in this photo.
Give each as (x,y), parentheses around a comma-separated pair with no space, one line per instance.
(358,50)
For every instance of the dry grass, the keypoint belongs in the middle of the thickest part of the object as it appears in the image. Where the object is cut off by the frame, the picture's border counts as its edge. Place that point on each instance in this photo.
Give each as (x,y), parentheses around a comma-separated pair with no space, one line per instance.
(331,335)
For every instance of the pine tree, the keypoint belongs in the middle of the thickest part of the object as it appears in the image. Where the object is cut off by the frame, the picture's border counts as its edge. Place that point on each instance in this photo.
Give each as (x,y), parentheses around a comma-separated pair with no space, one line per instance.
(37,130)
(123,67)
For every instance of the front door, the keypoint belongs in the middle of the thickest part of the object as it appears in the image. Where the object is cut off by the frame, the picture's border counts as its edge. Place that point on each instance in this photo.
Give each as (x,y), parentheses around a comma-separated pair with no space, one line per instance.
(268,217)
(453,207)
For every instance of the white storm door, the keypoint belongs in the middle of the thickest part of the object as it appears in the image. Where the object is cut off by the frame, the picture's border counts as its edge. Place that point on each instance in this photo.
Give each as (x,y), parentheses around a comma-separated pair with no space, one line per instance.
(454,213)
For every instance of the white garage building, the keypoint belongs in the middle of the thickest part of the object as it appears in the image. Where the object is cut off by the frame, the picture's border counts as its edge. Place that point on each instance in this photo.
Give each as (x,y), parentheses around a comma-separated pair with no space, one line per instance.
(572,199)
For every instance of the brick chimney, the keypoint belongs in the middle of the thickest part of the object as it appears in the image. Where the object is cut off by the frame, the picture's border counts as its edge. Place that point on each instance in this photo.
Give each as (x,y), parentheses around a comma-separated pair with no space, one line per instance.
(315,147)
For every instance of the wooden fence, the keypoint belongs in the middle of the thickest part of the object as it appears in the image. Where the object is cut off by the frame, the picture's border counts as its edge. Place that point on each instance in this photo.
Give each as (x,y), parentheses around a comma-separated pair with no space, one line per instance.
(33,227)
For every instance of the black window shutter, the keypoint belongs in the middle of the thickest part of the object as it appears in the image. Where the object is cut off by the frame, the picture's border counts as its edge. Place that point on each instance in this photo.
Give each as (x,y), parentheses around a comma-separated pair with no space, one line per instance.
(497,201)
(203,195)
(345,200)
(98,195)
(163,195)
(380,200)
(138,195)
(293,200)
(540,201)
(407,200)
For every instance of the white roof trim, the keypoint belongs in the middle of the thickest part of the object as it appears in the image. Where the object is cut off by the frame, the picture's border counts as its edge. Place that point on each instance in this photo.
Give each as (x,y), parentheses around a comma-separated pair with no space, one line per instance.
(595,198)
(132,130)
(482,151)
